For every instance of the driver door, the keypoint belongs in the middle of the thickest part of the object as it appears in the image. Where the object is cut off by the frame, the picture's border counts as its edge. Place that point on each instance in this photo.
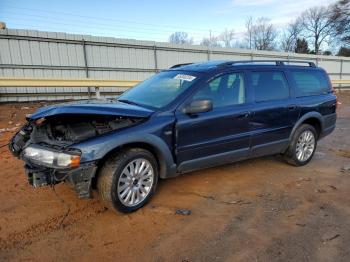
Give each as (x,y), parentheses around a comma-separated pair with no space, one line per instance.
(220,135)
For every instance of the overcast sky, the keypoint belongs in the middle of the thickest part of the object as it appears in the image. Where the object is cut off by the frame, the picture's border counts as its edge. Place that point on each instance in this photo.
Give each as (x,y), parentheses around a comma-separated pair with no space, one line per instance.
(149,20)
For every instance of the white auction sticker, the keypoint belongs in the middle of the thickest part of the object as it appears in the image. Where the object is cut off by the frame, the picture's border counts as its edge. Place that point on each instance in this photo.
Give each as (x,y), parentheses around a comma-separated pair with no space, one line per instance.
(185,77)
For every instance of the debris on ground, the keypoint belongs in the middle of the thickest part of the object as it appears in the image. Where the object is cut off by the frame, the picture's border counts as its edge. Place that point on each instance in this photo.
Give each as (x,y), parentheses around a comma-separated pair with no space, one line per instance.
(306,179)
(151,206)
(333,187)
(238,202)
(183,211)
(331,238)
(9,129)
(201,195)
(345,168)
(263,195)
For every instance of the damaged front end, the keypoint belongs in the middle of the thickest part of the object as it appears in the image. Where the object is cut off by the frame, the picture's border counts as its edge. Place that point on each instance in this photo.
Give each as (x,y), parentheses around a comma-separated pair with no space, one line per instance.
(46,145)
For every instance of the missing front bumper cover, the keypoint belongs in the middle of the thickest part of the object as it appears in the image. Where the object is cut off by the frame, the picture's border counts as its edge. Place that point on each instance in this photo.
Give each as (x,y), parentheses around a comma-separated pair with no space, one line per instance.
(80,178)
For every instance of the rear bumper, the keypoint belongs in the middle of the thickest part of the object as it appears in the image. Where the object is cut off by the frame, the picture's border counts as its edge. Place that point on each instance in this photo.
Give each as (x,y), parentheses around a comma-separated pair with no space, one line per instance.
(80,178)
(327,131)
(329,123)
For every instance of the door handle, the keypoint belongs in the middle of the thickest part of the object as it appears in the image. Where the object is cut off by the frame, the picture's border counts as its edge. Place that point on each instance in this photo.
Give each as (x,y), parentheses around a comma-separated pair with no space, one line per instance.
(244,115)
(292,107)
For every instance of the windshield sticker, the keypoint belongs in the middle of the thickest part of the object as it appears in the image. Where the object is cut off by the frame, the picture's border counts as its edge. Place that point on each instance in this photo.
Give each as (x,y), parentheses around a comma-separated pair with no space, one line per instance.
(185,77)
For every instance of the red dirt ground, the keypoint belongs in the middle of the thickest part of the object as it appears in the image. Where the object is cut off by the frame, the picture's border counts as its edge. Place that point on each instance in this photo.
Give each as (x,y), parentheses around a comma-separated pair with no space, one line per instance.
(255,210)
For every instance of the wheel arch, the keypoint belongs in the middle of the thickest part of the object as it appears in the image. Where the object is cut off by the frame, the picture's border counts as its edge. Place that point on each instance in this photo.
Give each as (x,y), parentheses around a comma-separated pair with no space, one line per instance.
(160,151)
(314,119)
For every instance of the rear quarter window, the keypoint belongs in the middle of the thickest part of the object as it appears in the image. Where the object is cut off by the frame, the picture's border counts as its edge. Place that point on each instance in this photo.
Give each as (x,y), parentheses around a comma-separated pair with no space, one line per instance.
(269,86)
(309,82)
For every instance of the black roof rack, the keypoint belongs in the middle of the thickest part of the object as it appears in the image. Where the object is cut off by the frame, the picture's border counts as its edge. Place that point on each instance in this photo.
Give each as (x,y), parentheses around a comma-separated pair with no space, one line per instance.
(277,62)
(178,65)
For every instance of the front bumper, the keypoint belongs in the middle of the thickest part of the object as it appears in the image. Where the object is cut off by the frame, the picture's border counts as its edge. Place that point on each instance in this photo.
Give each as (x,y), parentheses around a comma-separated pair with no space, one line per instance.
(80,178)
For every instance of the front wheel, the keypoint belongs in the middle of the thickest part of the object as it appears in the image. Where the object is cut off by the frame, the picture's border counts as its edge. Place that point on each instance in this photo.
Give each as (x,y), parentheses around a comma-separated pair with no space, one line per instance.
(128,179)
(302,146)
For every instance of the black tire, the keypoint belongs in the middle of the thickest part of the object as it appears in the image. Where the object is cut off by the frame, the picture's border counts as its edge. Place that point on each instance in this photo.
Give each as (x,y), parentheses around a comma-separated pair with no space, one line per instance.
(291,154)
(109,175)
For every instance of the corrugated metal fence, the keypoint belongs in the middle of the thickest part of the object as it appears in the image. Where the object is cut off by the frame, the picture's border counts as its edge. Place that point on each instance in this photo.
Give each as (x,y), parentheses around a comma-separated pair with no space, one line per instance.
(28,53)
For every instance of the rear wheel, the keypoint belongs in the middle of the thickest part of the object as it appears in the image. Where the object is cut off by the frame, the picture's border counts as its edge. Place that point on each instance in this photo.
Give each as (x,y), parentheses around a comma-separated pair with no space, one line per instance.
(302,146)
(128,179)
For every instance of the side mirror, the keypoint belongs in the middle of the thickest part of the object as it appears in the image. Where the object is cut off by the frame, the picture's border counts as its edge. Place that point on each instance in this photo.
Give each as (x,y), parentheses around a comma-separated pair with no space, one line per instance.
(198,106)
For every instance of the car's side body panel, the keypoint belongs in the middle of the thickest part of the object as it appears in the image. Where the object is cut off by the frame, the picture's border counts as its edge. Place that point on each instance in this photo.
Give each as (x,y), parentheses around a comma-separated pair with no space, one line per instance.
(271,125)
(219,131)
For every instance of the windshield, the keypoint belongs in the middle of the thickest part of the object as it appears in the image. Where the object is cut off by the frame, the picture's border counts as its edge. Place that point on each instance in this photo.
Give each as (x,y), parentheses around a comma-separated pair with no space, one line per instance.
(159,90)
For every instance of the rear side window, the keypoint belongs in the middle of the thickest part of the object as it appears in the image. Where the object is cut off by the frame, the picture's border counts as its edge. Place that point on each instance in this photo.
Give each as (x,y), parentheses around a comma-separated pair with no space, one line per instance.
(310,82)
(269,86)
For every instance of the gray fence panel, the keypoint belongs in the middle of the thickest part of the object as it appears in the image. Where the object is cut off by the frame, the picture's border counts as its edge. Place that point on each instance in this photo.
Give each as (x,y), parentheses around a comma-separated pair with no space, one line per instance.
(30,53)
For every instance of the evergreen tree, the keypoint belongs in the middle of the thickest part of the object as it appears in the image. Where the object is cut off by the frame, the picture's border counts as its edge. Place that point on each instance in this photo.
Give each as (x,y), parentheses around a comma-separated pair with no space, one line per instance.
(301,46)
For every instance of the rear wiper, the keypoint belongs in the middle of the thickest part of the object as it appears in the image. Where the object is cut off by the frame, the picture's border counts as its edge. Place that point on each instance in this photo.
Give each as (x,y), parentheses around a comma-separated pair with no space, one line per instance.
(128,102)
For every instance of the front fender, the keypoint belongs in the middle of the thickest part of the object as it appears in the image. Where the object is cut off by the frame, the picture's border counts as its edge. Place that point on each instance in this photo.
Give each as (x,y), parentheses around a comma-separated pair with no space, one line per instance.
(98,147)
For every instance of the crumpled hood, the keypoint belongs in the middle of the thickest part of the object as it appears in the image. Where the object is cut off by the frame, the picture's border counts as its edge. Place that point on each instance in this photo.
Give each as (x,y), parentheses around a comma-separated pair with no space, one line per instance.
(92,107)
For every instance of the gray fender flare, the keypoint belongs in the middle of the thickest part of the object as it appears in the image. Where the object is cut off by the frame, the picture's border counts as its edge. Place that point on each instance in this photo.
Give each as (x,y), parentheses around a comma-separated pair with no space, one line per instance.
(97,148)
(306,116)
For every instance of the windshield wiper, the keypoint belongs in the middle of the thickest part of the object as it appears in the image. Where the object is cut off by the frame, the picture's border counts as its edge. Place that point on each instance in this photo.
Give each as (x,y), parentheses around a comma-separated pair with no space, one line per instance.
(128,102)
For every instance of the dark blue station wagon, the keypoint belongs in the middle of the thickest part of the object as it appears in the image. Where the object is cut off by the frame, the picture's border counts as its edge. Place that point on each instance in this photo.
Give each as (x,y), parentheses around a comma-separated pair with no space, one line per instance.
(189,117)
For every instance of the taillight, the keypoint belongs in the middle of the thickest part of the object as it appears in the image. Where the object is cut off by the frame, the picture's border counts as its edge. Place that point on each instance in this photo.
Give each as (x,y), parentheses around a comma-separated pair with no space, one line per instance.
(337,104)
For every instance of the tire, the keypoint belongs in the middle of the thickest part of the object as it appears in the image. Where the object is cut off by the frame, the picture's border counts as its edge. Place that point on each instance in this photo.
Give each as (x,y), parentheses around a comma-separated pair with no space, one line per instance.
(122,174)
(293,154)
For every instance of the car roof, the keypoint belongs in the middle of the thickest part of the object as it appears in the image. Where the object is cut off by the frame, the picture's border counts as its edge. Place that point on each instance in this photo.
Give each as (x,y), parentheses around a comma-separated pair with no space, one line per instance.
(220,65)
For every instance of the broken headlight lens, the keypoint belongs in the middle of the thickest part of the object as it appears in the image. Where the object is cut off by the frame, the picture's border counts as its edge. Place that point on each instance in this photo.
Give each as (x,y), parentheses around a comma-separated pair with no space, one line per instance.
(50,158)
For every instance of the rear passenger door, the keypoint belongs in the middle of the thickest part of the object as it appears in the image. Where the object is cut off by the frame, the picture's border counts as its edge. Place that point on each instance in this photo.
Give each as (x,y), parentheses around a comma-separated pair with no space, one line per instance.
(274,112)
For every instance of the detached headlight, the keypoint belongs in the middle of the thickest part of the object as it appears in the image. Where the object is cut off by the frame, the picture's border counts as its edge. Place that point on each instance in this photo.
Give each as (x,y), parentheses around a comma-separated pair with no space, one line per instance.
(51,158)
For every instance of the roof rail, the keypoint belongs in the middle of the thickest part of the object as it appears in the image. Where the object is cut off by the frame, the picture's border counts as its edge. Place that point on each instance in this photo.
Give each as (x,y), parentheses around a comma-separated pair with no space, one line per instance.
(179,65)
(276,62)
(311,64)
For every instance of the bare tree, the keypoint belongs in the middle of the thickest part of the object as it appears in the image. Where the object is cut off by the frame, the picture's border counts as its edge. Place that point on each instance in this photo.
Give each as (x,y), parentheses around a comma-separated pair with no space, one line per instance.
(210,41)
(249,32)
(340,18)
(227,37)
(180,38)
(316,26)
(263,34)
(290,36)
(239,43)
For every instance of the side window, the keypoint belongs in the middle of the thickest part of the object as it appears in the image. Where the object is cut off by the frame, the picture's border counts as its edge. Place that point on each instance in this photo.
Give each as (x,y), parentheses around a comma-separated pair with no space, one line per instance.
(310,82)
(269,86)
(224,90)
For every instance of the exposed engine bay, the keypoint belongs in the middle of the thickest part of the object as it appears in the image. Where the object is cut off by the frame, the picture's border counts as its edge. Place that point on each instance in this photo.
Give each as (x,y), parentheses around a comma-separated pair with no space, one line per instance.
(57,133)
(61,131)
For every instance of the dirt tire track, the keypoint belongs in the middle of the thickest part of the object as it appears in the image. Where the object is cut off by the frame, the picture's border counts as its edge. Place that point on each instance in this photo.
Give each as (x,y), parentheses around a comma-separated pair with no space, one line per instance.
(35,232)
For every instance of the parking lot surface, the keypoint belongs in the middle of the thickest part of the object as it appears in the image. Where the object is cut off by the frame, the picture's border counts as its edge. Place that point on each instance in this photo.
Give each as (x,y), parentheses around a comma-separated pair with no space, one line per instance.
(256,210)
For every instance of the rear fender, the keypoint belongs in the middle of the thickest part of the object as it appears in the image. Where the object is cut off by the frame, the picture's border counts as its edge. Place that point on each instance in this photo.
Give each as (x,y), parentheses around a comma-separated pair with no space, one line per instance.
(308,115)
